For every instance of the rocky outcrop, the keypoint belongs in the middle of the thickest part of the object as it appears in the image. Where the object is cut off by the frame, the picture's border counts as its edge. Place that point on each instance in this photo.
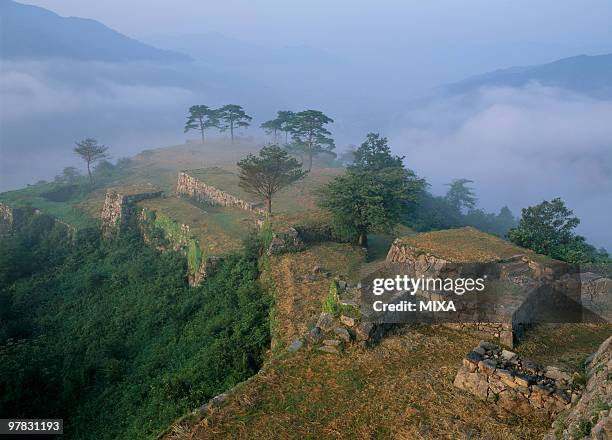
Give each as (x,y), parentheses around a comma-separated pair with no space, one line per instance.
(297,236)
(118,207)
(591,417)
(517,385)
(189,186)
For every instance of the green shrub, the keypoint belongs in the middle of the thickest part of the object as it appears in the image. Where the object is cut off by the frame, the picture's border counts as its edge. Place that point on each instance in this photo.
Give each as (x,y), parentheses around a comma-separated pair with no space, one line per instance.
(582,429)
(331,301)
(332,304)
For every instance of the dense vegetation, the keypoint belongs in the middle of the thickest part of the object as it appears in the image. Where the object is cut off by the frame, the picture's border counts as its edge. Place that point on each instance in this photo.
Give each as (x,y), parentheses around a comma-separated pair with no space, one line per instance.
(108,336)
(457,208)
(548,228)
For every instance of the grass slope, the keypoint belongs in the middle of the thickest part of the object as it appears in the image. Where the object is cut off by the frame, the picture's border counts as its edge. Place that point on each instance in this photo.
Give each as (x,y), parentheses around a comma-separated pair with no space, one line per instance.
(465,245)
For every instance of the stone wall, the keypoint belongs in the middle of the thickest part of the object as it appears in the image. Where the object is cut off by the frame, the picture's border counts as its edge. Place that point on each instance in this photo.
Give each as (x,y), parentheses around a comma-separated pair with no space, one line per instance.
(118,207)
(6,219)
(13,217)
(296,237)
(591,417)
(536,291)
(597,294)
(285,240)
(191,187)
(208,265)
(166,234)
(517,385)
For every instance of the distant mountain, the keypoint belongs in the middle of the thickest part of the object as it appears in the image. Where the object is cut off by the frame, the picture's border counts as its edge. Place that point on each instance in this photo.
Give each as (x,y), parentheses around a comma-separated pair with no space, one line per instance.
(30,32)
(583,73)
(216,48)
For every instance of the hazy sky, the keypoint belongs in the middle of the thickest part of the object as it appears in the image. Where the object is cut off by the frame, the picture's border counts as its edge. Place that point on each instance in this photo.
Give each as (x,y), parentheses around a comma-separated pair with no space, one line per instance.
(357,27)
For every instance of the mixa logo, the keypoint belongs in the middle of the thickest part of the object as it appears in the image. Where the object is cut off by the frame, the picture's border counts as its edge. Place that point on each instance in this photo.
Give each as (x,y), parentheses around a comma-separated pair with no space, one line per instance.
(407,306)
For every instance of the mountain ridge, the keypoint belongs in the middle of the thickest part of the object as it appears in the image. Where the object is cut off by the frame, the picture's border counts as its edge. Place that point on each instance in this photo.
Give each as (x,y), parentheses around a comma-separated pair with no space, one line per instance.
(590,74)
(31,32)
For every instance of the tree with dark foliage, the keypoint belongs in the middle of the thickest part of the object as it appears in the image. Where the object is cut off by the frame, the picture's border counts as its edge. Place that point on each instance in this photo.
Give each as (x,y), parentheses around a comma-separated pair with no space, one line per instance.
(264,175)
(374,154)
(310,137)
(200,118)
(548,228)
(230,117)
(374,193)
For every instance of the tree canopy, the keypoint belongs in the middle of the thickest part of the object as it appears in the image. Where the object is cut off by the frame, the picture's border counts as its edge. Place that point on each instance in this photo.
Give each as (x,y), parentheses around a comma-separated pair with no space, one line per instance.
(230,117)
(309,135)
(372,195)
(200,118)
(460,195)
(280,123)
(375,154)
(548,228)
(90,151)
(272,127)
(264,175)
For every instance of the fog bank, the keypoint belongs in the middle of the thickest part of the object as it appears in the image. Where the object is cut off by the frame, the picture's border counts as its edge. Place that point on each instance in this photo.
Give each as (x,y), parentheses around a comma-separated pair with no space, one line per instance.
(520,146)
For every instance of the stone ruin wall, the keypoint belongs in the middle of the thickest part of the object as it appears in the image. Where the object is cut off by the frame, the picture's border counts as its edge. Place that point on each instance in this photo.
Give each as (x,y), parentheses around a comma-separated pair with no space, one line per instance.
(425,264)
(582,407)
(11,217)
(509,329)
(517,385)
(118,207)
(6,219)
(206,268)
(177,242)
(593,411)
(189,186)
(597,294)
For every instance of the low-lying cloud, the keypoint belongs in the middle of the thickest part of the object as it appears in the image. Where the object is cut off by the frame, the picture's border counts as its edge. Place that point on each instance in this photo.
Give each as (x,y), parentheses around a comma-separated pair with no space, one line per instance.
(520,146)
(47,106)
(25,94)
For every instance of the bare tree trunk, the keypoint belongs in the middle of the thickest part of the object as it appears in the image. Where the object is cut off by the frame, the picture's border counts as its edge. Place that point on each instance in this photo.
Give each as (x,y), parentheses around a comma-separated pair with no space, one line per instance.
(269,205)
(232,131)
(89,172)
